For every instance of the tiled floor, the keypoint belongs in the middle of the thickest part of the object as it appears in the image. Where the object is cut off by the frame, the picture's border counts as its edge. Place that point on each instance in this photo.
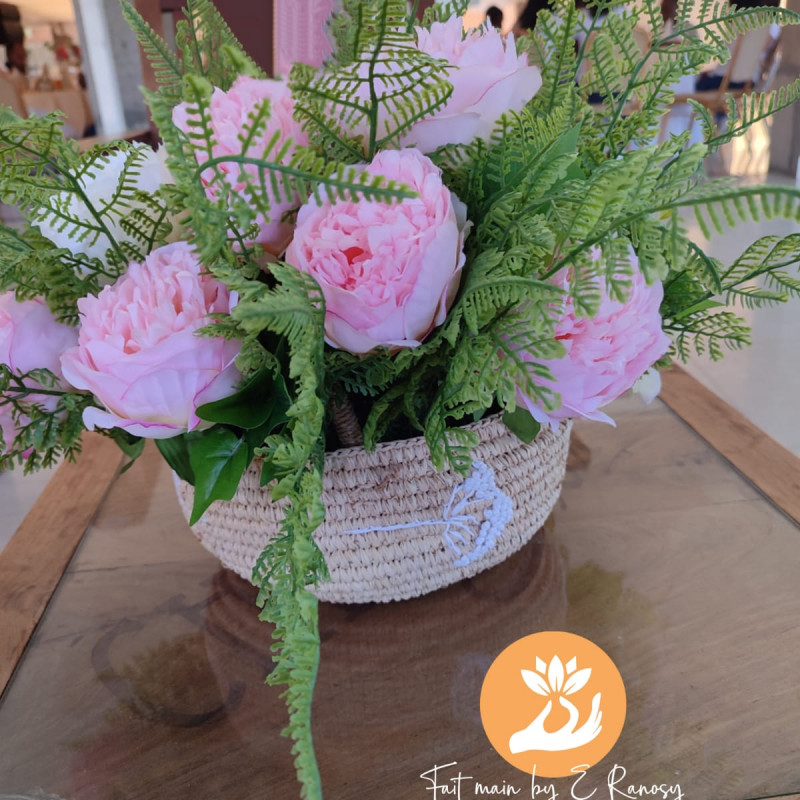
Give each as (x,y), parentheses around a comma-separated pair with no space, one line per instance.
(763,382)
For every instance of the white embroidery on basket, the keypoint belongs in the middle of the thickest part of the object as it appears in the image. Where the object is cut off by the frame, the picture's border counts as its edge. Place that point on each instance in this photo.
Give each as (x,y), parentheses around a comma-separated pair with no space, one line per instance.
(464,534)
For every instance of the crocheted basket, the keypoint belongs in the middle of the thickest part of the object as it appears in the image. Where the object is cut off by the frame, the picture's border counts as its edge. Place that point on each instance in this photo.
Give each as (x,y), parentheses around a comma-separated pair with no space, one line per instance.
(394,527)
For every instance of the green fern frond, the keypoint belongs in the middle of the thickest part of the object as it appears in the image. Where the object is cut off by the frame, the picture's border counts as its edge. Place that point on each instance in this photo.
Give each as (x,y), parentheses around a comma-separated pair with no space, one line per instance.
(720,23)
(230,192)
(720,202)
(615,194)
(613,56)
(33,268)
(369,94)
(755,107)
(447,445)
(166,64)
(295,458)
(208,44)
(442,10)
(554,38)
(754,297)
(649,239)
(137,215)
(708,333)
(43,436)
(33,158)
(46,176)
(764,255)
(519,353)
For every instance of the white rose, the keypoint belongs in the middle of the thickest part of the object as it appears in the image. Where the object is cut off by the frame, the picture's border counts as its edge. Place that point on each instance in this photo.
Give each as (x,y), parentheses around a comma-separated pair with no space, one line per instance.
(70,224)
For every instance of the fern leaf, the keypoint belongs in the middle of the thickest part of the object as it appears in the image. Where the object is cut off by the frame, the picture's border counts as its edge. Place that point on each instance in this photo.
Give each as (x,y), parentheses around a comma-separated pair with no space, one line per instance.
(289,564)
(166,65)
(755,107)
(708,333)
(207,44)
(369,94)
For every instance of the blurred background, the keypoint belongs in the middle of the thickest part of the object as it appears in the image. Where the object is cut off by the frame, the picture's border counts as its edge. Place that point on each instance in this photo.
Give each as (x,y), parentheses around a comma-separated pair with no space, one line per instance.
(81,58)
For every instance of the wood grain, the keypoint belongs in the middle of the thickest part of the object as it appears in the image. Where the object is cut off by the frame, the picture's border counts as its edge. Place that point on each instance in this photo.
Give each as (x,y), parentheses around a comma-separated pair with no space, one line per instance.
(32,563)
(145,677)
(772,468)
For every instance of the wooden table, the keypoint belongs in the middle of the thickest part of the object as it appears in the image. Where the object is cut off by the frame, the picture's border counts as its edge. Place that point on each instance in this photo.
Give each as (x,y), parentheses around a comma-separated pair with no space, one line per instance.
(144,676)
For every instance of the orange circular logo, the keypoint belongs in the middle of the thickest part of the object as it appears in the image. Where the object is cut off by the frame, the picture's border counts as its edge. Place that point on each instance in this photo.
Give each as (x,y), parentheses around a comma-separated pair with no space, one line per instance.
(553,701)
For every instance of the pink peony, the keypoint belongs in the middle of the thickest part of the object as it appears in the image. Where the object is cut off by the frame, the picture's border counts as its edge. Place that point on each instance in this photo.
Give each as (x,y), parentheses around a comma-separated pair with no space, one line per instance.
(488,78)
(606,353)
(388,272)
(30,338)
(230,111)
(138,353)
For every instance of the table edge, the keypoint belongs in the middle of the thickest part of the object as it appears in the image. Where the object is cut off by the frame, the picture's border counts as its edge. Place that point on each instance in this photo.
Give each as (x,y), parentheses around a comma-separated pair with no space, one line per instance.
(769,466)
(34,560)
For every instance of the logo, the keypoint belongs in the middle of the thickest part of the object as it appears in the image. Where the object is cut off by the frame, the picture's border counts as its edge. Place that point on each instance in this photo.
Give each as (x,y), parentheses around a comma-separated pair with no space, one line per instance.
(553,702)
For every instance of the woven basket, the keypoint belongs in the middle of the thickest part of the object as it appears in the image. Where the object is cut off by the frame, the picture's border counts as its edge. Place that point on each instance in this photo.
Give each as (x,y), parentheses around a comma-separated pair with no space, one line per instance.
(394,527)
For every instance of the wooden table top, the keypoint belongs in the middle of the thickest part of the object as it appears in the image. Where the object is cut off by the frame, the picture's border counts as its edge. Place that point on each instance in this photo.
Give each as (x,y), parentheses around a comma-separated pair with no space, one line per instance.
(144,677)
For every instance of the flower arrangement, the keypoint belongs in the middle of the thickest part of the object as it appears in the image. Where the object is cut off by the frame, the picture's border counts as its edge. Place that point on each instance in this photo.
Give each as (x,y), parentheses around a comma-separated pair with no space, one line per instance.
(432,226)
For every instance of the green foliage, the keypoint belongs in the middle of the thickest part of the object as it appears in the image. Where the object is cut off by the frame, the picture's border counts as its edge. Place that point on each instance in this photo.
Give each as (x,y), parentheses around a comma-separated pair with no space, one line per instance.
(55,185)
(261,402)
(370,93)
(294,309)
(213,460)
(166,64)
(218,458)
(175,452)
(523,424)
(558,199)
(442,10)
(755,107)
(695,316)
(47,420)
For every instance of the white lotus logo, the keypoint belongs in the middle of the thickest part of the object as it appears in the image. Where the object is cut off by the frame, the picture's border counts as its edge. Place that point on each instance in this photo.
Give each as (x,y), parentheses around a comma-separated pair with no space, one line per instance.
(555,681)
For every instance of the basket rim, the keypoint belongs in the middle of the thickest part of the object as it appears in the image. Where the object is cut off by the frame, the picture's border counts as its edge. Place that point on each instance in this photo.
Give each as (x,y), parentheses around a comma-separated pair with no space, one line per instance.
(490,421)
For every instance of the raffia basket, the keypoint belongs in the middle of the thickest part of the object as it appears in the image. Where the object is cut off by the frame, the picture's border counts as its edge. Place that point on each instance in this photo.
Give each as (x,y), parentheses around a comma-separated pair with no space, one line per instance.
(394,527)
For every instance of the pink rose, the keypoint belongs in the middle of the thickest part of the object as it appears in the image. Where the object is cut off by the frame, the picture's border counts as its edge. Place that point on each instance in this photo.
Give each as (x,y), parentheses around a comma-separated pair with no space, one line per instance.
(230,112)
(488,78)
(30,338)
(388,272)
(138,353)
(606,353)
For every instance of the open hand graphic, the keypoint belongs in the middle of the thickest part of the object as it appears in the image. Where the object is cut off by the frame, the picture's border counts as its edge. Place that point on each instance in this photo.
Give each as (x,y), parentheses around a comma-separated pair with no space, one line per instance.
(556,682)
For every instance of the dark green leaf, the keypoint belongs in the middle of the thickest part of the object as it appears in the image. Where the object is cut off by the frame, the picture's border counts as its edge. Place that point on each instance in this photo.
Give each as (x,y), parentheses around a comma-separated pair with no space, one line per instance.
(522,424)
(131,445)
(176,453)
(261,400)
(218,458)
